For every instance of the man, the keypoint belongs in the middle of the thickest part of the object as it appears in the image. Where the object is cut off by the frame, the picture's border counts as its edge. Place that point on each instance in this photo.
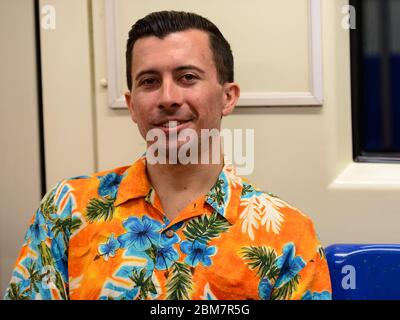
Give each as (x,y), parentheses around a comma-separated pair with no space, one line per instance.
(171,230)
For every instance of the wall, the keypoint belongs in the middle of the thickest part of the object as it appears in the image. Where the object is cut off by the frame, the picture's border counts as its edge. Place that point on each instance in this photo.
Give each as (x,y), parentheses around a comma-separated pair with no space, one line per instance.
(67,92)
(303,154)
(19,133)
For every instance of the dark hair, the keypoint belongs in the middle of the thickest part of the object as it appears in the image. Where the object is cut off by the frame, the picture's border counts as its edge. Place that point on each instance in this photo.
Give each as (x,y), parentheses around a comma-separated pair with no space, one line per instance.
(162,23)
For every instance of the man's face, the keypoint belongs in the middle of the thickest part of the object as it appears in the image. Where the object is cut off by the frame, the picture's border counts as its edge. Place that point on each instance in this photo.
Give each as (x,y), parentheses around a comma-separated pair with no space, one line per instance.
(175,79)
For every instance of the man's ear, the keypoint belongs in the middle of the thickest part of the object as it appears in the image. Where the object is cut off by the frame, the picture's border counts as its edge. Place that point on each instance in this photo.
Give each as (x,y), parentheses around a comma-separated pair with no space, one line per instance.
(230,97)
(129,103)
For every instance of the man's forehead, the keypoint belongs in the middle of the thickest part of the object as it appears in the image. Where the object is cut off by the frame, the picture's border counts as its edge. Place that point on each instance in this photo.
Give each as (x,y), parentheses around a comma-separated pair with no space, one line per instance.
(183,47)
(184,36)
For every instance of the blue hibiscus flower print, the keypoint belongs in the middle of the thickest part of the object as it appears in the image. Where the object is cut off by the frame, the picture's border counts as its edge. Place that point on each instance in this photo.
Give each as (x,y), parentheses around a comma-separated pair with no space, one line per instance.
(324,295)
(108,249)
(166,257)
(142,233)
(59,253)
(264,289)
(289,264)
(109,185)
(37,232)
(197,252)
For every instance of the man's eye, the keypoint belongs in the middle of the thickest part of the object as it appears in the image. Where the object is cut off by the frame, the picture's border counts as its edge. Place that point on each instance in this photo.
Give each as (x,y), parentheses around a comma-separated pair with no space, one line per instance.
(189,77)
(147,82)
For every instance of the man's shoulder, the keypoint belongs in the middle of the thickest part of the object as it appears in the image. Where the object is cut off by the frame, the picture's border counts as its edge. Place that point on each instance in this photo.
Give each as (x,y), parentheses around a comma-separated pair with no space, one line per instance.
(250,190)
(269,220)
(271,213)
(84,184)
(96,175)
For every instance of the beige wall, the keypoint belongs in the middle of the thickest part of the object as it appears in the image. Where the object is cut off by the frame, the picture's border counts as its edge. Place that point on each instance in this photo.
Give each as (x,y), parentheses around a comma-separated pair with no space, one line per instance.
(303,154)
(69,126)
(19,135)
(241,24)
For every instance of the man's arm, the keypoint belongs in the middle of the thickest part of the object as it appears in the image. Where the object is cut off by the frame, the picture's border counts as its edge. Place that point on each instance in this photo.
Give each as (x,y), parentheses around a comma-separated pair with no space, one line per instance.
(293,278)
(41,270)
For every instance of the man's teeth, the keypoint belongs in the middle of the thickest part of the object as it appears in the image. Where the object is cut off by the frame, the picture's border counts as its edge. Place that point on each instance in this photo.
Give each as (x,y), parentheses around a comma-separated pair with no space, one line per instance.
(172,124)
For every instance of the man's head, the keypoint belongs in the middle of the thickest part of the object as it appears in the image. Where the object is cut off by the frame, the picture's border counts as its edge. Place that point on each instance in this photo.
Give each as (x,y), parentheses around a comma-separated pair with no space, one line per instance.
(163,23)
(180,74)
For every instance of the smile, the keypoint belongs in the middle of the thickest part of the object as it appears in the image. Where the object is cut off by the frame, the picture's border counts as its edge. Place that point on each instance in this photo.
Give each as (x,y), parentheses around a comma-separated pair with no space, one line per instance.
(173,124)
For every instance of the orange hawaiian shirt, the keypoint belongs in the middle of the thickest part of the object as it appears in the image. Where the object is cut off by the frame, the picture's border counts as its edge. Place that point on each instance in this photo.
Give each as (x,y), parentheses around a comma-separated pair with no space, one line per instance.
(105,236)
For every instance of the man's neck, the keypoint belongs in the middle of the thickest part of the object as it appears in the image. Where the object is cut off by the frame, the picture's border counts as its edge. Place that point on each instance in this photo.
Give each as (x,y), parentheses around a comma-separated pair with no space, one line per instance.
(178,185)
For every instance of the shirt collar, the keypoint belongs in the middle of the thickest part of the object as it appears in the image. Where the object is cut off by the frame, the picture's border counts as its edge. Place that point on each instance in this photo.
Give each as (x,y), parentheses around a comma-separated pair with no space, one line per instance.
(134,183)
(224,196)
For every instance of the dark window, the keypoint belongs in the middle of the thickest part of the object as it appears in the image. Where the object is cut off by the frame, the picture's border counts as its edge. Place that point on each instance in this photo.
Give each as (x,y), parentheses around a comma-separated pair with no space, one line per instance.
(375,73)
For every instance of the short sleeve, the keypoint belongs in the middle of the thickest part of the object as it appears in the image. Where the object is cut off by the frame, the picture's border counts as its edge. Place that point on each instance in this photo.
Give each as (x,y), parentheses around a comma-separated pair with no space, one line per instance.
(299,279)
(41,269)
(314,279)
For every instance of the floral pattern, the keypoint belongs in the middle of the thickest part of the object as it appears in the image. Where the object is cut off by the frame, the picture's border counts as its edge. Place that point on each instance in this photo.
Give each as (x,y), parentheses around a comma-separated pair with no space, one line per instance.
(106,237)
(142,233)
(309,295)
(108,249)
(197,253)
(109,185)
(260,209)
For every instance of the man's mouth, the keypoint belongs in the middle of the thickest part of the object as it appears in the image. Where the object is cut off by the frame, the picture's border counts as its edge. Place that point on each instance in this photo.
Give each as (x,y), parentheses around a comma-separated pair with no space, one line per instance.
(173,123)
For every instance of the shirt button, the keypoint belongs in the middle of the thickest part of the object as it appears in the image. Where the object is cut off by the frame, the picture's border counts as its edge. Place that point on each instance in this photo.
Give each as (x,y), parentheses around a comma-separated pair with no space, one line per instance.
(169,233)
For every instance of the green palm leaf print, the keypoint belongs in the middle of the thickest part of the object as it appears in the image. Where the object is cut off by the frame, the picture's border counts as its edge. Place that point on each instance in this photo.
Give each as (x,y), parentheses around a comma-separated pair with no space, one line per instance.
(180,282)
(100,208)
(34,276)
(47,206)
(146,285)
(216,194)
(286,290)
(261,259)
(246,189)
(62,226)
(204,228)
(75,225)
(14,293)
(264,261)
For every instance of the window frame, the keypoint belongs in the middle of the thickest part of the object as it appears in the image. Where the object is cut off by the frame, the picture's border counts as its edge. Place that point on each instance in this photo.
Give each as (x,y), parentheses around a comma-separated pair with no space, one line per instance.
(357,100)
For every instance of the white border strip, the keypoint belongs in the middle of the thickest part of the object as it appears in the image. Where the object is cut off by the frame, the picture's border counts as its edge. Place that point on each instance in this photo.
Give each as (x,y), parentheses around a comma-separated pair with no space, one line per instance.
(248,99)
(115,100)
(368,176)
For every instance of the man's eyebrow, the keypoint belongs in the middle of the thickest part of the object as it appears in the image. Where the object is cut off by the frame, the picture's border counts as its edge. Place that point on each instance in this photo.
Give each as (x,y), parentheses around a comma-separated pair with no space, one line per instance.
(188,67)
(150,71)
(180,68)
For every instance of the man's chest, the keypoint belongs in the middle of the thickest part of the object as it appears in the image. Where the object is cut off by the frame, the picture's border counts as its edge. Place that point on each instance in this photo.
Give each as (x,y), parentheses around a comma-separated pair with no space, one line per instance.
(138,258)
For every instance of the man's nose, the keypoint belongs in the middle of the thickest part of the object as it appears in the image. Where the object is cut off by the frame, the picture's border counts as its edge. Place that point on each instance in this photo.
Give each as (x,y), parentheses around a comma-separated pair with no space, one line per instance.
(170,95)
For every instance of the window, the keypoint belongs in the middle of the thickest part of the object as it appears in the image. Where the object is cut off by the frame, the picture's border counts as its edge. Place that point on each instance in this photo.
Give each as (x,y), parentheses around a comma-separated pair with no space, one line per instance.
(375,73)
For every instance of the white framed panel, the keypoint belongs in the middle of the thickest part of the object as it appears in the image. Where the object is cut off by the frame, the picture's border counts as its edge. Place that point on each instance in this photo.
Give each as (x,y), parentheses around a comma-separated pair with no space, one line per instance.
(311,97)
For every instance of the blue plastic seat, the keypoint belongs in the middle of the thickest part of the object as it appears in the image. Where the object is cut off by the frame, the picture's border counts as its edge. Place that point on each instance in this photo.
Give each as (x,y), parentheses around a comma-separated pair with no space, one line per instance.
(364,271)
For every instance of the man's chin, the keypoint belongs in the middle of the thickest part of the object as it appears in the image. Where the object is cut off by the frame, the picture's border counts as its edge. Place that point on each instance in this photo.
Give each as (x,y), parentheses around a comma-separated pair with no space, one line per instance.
(181,153)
